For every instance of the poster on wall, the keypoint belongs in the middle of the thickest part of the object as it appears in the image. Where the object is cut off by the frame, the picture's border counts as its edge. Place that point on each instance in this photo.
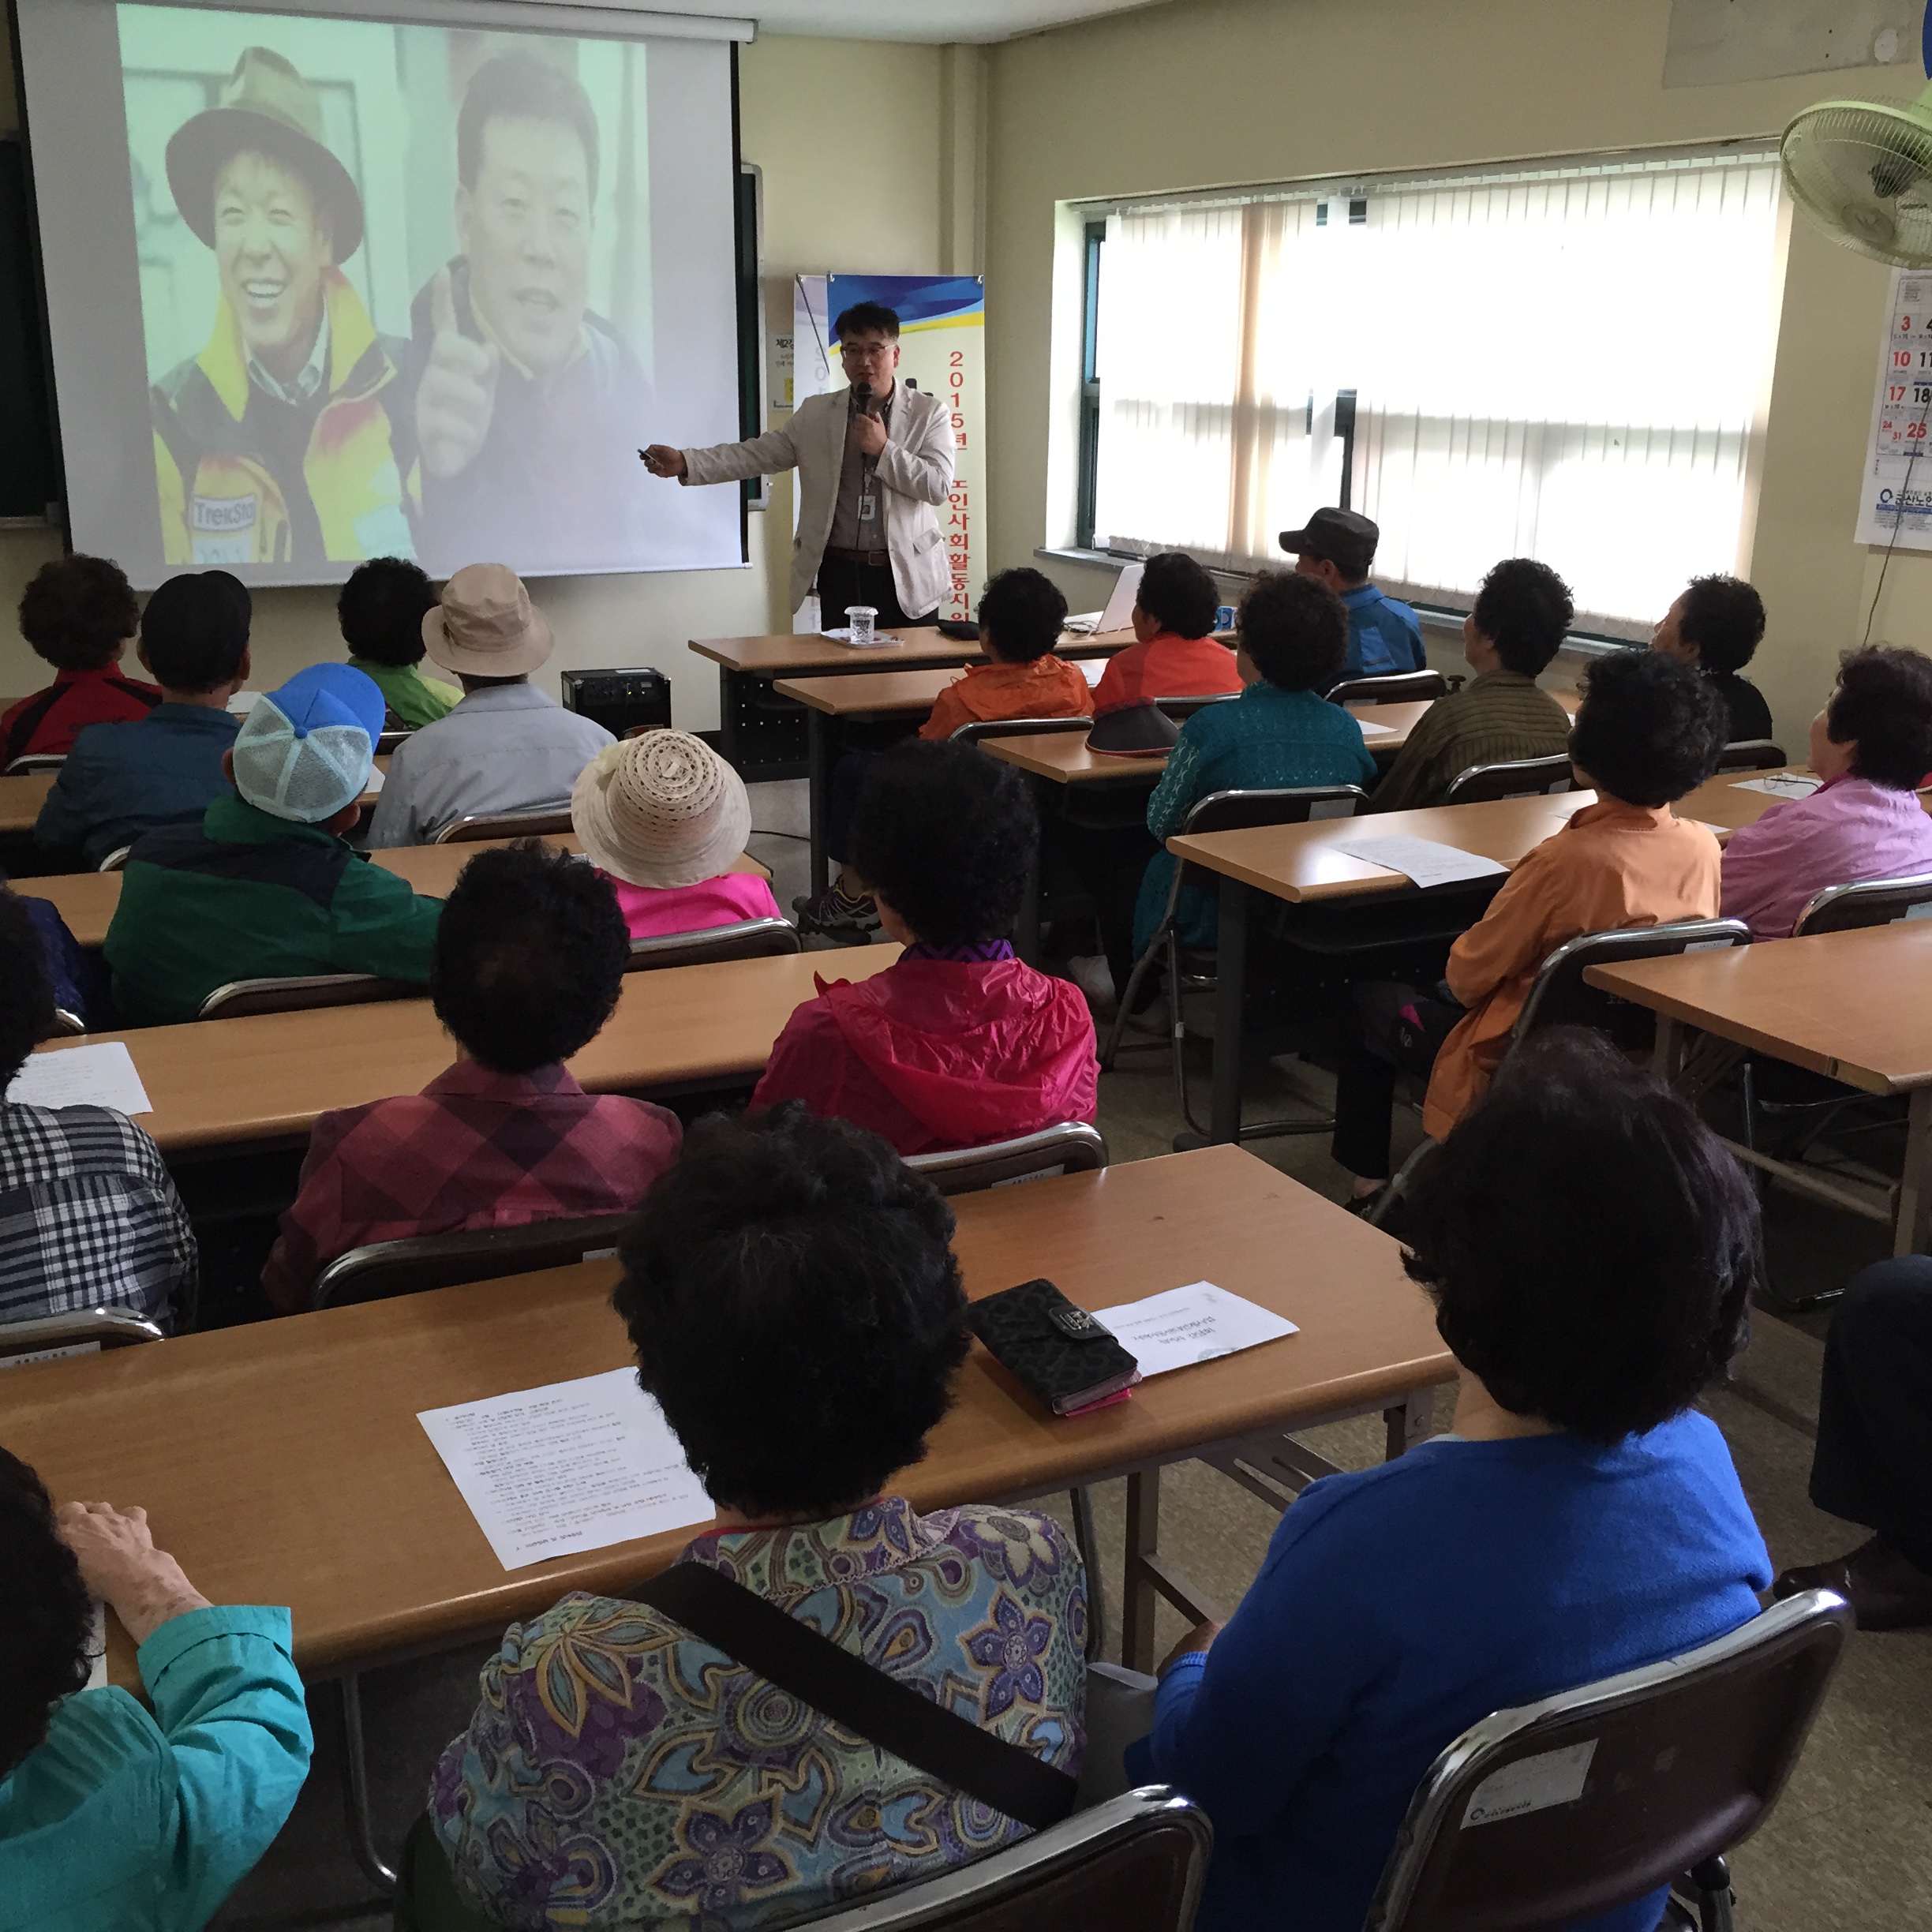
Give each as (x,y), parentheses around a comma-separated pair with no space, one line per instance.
(1895,498)
(942,351)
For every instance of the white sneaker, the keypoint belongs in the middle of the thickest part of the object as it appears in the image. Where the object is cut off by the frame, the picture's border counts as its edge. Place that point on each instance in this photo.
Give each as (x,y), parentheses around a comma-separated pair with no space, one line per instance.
(1090,973)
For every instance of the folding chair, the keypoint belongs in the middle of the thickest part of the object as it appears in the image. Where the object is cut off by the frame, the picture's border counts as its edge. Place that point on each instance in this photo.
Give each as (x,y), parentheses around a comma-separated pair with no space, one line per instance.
(30,762)
(1016,728)
(1516,778)
(1752,754)
(1557,1812)
(1182,708)
(532,824)
(1135,1863)
(756,938)
(116,860)
(1222,811)
(82,1330)
(382,1270)
(1072,1147)
(1559,997)
(389,739)
(239,998)
(66,1025)
(1399,687)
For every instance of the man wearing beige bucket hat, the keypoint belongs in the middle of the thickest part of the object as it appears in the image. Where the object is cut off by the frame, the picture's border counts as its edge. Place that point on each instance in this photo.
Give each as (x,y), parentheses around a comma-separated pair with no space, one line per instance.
(506,747)
(663,817)
(286,439)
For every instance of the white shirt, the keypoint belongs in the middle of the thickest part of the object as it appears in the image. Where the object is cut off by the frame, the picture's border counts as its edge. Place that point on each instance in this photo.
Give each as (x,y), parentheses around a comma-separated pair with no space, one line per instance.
(505,748)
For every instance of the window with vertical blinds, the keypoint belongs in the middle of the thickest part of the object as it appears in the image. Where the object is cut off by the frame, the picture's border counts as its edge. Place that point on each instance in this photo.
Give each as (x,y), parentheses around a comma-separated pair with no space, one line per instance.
(1565,362)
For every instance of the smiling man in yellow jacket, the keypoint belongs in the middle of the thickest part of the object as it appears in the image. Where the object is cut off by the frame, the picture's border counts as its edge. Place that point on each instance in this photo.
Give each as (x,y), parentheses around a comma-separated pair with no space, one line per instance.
(287,439)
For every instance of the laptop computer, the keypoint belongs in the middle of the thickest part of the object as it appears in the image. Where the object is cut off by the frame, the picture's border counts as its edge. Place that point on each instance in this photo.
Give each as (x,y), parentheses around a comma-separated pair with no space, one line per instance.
(1119,606)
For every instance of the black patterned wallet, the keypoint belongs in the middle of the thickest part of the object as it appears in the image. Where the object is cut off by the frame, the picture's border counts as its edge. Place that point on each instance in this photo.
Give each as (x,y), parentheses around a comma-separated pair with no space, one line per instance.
(1057,1351)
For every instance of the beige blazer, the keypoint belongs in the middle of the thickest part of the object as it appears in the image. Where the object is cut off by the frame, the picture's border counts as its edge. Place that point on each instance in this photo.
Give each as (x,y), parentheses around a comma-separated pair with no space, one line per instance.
(915,467)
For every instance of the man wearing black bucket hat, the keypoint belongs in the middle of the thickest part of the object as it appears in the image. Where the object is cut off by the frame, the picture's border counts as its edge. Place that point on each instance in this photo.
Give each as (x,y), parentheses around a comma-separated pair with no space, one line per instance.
(286,439)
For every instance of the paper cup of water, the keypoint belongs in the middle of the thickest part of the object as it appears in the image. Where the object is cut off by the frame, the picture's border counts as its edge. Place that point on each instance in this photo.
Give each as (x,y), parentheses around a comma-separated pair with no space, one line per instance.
(862,617)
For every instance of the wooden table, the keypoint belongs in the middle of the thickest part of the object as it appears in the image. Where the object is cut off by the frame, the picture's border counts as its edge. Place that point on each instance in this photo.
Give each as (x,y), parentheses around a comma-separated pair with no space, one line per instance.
(21,798)
(1845,1005)
(219,1084)
(86,901)
(305,1479)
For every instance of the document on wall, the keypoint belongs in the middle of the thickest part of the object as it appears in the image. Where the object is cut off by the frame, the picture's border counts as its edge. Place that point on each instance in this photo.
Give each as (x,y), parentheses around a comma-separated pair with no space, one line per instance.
(101,1075)
(1895,493)
(1780,784)
(576,1465)
(1191,1324)
(1423,862)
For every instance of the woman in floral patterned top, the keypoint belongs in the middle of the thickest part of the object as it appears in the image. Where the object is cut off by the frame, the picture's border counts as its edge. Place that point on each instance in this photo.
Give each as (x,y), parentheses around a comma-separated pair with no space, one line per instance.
(797,1311)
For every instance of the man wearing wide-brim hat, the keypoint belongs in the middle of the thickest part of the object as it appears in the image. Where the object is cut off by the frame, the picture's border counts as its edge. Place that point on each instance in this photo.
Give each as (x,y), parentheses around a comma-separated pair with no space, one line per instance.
(286,439)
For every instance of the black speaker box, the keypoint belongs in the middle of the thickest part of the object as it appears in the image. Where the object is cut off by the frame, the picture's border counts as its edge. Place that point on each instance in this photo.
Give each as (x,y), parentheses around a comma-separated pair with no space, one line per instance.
(619,701)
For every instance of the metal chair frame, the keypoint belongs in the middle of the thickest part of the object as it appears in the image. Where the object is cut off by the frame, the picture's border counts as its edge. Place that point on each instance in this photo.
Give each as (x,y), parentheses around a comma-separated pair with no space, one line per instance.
(1393,688)
(30,763)
(756,938)
(1186,707)
(1222,811)
(534,823)
(110,1327)
(1015,728)
(1561,976)
(238,999)
(1808,1631)
(1511,778)
(471,1255)
(116,860)
(987,1892)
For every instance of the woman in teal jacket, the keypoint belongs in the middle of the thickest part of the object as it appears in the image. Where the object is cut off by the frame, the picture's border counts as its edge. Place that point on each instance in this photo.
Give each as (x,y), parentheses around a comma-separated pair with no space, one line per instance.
(111,1819)
(1280,731)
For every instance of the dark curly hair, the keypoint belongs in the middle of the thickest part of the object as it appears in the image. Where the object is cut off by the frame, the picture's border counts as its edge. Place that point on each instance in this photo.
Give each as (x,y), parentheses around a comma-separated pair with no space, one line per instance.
(75,610)
(26,993)
(529,956)
(1567,1304)
(791,1292)
(945,835)
(1524,610)
(1883,699)
(1649,729)
(1021,615)
(50,1620)
(196,629)
(380,610)
(1294,631)
(1725,618)
(1179,594)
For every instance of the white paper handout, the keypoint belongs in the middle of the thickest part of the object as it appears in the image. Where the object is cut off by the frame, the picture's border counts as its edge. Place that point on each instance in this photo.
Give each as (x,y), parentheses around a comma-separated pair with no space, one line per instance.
(375,781)
(576,1465)
(1780,784)
(1422,861)
(1191,1324)
(101,1075)
(1092,669)
(1376,731)
(882,640)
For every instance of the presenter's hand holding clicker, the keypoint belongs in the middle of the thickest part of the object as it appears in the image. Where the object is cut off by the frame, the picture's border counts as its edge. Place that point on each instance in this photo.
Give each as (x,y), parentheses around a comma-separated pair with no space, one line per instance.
(661,460)
(457,394)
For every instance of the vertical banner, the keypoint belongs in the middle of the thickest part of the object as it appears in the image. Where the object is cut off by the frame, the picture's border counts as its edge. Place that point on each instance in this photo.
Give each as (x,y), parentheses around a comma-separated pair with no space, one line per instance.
(942,351)
(1895,502)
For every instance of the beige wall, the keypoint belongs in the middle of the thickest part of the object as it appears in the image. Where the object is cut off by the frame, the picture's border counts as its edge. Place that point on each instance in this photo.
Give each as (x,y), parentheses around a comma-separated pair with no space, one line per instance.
(1205,92)
(874,205)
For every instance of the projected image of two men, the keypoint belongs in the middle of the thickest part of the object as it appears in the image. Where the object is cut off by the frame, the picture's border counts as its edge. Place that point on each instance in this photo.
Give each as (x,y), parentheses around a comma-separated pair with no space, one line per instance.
(396,291)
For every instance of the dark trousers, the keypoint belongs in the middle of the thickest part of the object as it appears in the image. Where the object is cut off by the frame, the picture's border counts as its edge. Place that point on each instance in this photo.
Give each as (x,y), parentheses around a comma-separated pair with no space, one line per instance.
(848,777)
(1386,1031)
(1875,1407)
(1110,862)
(842,584)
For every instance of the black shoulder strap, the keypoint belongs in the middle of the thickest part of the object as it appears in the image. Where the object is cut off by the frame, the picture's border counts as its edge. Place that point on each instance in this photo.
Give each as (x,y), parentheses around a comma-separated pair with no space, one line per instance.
(817,1671)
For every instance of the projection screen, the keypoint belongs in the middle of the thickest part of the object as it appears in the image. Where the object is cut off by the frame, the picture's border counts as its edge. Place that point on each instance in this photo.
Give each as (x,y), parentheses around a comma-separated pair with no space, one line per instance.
(326,289)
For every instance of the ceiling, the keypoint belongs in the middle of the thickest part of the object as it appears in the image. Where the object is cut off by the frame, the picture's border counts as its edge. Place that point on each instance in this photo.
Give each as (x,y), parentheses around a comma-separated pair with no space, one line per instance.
(902,19)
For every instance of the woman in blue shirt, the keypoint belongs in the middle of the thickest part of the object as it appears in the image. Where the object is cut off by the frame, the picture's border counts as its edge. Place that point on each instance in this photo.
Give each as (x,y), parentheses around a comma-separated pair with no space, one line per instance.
(112,1820)
(1280,731)
(1591,1249)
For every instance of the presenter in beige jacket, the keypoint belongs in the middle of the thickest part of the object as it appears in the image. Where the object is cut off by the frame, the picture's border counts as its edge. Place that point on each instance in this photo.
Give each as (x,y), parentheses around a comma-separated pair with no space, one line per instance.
(874,460)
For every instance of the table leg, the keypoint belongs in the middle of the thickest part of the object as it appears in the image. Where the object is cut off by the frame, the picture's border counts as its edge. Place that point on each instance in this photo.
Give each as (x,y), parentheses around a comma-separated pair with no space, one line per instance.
(1230,997)
(1667,1056)
(1137,1593)
(818,790)
(355,1788)
(1909,1236)
(1409,1423)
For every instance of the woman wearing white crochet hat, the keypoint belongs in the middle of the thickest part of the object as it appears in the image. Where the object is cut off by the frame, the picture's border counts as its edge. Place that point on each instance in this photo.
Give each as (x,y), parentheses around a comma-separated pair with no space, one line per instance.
(662,816)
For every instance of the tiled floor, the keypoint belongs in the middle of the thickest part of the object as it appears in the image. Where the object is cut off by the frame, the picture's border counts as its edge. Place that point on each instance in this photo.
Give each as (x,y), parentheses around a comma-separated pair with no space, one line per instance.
(1850,1845)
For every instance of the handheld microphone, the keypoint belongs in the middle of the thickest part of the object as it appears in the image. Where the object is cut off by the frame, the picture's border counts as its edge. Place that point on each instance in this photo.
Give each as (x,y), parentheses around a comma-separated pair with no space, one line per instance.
(863,392)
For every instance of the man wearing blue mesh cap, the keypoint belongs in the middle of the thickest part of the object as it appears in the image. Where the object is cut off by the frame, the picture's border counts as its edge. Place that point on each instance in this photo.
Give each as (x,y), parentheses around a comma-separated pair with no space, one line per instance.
(265,887)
